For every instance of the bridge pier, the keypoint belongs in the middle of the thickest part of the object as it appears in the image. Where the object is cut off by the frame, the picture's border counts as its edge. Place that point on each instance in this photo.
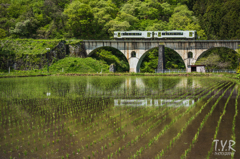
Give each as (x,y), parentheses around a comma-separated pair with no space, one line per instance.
(161,59)
(133,61)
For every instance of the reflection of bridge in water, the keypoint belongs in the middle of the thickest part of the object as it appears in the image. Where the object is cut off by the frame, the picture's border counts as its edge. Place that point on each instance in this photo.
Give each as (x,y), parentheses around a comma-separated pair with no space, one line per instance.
(137,86)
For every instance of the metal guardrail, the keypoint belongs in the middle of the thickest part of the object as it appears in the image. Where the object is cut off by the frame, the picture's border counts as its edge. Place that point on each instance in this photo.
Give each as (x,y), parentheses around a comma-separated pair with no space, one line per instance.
(171,71)
(221,71)
(184,71)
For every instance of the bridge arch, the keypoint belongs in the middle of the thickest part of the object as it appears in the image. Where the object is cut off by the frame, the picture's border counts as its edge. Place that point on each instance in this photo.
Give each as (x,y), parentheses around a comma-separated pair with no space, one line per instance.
(209,51)
(121,66)
(89,54)
(146,52)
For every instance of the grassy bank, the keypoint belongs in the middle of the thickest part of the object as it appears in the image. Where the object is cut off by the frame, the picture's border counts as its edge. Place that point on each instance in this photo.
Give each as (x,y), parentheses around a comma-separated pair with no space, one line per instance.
(63,66)
(76,65)
(26,46)
(52,73)
(73,66)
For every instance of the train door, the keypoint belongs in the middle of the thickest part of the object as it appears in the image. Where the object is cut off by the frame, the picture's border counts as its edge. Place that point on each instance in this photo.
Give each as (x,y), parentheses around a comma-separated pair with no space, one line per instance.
(119,35)
(159,34)
(152,35)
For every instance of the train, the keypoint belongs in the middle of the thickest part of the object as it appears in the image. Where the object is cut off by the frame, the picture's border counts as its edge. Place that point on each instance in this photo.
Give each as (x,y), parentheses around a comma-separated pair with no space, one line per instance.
(151,35)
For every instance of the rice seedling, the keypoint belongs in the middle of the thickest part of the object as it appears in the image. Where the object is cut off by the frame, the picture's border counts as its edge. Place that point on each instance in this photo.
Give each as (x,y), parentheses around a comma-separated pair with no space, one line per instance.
(201,125)
(219,122)
(234,123)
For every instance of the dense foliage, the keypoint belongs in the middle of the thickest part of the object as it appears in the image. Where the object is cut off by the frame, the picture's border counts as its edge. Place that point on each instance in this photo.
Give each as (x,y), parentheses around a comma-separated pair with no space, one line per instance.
(92,19)
(219,19)
(97,19)
(26,46)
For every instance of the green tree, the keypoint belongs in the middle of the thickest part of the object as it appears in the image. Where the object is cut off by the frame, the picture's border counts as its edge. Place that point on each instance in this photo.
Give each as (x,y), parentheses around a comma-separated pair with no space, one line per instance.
(103,11)
(210,61)
(114,25)
(220,20)
(160,25)
(80,17)
(25,28)
(2,33)
(183,19)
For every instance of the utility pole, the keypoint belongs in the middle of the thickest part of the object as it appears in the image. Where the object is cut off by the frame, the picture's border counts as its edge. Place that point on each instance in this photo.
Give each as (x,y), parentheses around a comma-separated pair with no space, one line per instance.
(48,59)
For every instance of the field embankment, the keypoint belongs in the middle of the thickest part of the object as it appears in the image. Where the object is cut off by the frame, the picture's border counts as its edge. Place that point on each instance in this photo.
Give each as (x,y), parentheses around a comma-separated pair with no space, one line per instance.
(29,54)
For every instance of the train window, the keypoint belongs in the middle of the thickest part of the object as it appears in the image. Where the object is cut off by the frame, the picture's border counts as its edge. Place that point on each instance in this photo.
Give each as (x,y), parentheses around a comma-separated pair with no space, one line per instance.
(148,34)
(163,33)
(190,34)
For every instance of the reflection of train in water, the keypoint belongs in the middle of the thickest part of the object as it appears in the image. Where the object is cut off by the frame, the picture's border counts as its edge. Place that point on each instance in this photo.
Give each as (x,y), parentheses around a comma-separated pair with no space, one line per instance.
(172,34)
(153,102)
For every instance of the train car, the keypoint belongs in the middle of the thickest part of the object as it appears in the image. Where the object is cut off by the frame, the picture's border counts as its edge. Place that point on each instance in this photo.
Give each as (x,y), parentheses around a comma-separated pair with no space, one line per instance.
(175,34)
(149,35)
(133,34)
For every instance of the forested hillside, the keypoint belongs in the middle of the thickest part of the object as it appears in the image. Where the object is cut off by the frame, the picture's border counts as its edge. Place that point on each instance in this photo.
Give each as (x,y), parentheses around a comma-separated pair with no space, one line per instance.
(97,19)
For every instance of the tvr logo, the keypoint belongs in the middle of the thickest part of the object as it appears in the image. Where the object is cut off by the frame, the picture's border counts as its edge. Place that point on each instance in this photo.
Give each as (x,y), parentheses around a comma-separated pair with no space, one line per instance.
(225,147)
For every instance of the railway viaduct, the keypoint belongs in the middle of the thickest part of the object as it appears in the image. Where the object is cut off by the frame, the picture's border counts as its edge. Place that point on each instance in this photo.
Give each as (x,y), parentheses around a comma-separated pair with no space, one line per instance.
(136,50)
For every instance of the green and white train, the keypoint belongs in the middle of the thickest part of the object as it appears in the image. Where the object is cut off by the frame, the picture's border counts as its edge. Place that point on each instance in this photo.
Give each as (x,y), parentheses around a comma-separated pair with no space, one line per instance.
(172,34)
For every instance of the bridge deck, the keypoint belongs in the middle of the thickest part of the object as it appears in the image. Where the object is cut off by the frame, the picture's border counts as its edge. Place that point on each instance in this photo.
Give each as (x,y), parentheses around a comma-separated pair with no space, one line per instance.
(171,41)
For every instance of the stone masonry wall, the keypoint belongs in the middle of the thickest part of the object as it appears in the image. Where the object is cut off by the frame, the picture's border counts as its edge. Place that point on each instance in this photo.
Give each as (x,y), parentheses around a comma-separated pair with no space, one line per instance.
(32,61)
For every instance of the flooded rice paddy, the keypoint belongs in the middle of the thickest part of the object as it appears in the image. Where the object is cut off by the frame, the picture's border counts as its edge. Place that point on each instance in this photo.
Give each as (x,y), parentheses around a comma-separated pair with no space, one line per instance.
(119,117)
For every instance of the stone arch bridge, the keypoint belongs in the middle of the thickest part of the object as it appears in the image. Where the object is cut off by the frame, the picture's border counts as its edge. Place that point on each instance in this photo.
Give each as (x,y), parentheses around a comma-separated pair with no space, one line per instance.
(136,50)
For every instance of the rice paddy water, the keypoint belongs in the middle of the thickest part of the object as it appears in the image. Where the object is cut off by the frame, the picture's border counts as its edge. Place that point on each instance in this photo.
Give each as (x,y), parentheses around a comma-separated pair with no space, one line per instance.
(118,117)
